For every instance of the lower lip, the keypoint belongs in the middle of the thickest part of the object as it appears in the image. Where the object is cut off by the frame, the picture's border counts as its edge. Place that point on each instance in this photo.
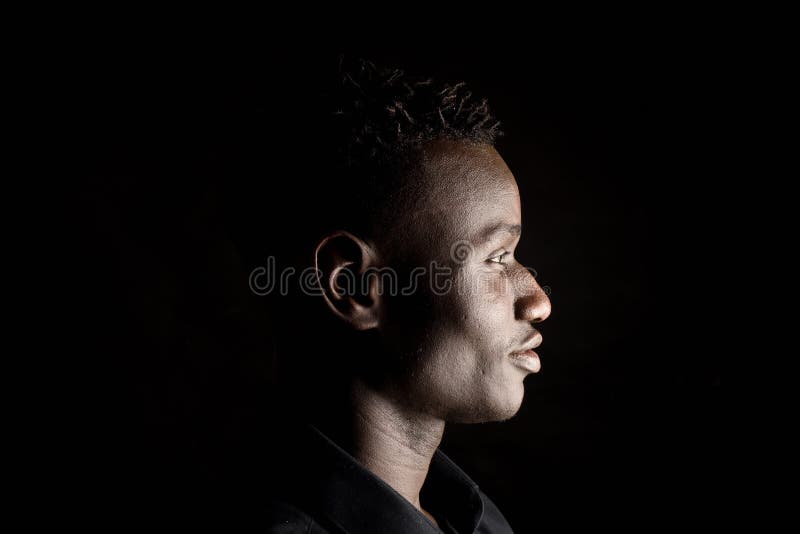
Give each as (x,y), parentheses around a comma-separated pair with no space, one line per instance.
(527,360)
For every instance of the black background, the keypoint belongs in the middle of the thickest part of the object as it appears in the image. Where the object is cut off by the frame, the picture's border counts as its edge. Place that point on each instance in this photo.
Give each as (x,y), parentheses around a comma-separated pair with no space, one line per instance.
(612,148)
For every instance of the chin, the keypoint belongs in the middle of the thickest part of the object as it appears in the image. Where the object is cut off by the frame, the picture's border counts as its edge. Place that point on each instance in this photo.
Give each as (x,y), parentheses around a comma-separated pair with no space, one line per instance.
(494,409)
(507,411)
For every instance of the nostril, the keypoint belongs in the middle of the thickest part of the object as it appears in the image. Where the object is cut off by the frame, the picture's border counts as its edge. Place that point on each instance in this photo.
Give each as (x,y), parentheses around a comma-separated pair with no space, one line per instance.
(544,310)
(533,308)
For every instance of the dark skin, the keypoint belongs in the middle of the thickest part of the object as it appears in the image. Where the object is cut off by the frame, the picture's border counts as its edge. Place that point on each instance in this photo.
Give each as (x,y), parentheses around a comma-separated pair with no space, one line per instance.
(456,354)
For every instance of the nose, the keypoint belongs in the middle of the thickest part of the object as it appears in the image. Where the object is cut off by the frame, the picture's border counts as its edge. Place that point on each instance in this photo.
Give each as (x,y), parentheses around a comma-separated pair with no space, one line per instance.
(533,304)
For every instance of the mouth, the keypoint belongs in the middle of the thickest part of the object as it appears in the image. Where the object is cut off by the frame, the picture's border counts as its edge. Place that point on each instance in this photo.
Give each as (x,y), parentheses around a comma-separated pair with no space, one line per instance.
(525,357)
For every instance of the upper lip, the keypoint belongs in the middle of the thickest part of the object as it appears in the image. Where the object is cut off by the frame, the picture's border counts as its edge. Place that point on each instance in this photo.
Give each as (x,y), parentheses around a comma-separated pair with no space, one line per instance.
(533,340)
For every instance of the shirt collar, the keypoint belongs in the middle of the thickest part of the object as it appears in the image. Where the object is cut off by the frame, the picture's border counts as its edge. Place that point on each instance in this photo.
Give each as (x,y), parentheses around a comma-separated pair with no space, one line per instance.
(355,500)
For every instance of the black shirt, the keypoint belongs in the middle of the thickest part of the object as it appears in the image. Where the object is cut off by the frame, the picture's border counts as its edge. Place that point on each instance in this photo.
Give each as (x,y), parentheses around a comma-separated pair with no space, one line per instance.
(329,491)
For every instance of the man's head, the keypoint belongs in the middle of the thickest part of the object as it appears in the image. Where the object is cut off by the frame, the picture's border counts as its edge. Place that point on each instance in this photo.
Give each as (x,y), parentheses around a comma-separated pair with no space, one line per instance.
(415,247)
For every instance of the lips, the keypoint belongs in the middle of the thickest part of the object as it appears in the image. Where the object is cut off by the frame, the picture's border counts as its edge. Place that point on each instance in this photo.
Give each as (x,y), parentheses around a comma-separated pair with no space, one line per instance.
(525,358)
(533,340)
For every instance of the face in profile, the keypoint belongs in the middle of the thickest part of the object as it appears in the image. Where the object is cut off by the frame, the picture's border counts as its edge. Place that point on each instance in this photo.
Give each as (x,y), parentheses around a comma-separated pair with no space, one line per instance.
(457,339)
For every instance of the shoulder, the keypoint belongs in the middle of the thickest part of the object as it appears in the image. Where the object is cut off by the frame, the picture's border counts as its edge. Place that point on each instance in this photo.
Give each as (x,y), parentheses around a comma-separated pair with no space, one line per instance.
(283,518)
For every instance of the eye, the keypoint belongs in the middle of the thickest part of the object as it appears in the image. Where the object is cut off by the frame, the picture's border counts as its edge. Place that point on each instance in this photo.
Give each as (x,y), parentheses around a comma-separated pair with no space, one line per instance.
(500,258)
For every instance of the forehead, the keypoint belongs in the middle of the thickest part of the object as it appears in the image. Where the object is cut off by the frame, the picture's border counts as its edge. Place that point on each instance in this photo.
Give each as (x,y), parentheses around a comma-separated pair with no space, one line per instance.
(462,189)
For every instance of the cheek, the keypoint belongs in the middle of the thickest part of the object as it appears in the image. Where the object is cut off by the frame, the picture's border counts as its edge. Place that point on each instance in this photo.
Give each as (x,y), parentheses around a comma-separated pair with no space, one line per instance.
(455,356)
(467,376)
(480,318)
(496,287)
(488,304)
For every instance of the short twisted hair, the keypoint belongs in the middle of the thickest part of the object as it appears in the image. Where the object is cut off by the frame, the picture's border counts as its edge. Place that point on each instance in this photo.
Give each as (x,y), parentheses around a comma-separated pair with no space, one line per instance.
(373,121)
(379,113)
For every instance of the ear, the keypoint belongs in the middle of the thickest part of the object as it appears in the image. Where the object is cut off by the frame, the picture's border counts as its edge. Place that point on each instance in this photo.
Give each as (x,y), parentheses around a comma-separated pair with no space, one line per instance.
(341,260)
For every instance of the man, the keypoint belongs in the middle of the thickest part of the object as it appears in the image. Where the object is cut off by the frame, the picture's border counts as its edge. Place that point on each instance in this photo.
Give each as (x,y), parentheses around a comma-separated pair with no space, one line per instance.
(423,314)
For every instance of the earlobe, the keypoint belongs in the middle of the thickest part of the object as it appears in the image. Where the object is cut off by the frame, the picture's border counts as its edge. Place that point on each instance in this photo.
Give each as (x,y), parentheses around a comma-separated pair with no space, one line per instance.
(341,259)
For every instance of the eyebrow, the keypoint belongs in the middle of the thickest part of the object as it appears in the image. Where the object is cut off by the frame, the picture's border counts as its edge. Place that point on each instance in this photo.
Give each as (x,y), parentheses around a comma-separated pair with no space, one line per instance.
(490,232)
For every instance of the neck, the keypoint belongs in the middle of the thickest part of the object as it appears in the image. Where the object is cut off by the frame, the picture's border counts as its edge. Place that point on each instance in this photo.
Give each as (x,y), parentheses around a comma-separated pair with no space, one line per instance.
(394,443)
